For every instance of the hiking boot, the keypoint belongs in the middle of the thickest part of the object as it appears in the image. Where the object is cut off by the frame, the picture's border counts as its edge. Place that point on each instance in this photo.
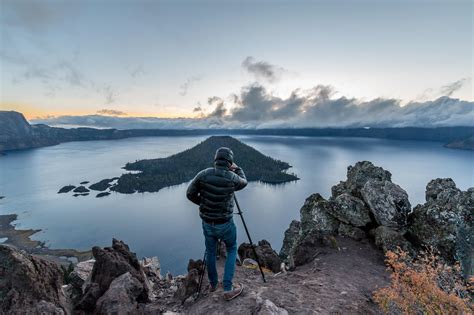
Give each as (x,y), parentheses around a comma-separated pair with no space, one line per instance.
(235,292)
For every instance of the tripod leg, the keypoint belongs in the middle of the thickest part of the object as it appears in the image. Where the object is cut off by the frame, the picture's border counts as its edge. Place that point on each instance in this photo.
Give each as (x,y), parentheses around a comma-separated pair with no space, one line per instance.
(250,239)
(201,276)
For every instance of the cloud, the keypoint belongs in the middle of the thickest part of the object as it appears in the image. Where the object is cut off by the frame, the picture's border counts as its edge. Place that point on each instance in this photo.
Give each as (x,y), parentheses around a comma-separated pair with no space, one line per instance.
(31,16)
(111,112)
(187,84)
(262,69)
(449,89)
(109,93)
(137,71)
(256,107)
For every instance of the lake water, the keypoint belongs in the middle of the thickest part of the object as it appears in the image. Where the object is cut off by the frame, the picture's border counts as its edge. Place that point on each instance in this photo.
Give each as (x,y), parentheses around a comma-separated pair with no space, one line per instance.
(165,224)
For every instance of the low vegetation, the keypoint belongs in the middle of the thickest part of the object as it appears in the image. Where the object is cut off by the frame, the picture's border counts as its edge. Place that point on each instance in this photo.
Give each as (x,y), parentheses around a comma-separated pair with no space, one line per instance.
(425,285)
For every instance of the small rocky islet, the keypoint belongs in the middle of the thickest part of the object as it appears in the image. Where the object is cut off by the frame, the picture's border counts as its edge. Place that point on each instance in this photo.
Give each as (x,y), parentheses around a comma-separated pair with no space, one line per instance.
(365,216)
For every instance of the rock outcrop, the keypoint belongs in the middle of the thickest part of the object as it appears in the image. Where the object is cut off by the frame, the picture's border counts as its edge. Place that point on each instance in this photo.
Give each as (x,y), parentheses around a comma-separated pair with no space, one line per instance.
(315,214)
(267,256)
(29,284)
(368,204)
(291,235)
(388,203)
(110,264)
(444,222)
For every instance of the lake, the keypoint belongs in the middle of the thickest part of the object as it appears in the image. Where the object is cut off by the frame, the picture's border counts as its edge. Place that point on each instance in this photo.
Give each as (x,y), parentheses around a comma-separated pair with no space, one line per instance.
(166,224)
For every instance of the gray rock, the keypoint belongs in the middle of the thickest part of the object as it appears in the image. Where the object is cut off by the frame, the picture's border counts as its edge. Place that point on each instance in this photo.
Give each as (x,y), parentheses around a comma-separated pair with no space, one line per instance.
(188,286)
(267,257)
(339,189)
(291,235)
(121,297)
(81,273)
(195,265)
(29,284)
(388,202)
(307,247)
(267,307)
(152,267)
(351,231)
(92,293)
(441,187)
(315,215)
(360,173)
(444,222)
(389,240)
(350,210)
(112,262)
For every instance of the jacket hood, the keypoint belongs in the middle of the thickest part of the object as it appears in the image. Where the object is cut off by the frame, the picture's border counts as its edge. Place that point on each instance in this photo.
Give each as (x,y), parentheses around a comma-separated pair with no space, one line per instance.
(224,154)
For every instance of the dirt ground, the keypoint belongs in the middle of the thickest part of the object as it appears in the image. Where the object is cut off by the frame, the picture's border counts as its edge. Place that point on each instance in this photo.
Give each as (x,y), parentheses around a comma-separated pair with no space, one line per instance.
(336,282)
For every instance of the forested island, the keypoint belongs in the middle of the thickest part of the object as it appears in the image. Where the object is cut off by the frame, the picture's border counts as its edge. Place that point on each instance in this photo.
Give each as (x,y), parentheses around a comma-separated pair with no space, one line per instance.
(156,174)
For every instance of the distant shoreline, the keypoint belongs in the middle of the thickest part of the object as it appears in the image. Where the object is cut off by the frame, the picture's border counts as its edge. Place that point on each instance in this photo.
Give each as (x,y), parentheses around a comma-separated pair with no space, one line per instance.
(21,239)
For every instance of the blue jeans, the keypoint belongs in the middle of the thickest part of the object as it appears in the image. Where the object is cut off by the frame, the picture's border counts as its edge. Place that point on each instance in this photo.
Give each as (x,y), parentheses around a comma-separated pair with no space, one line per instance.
(226,232)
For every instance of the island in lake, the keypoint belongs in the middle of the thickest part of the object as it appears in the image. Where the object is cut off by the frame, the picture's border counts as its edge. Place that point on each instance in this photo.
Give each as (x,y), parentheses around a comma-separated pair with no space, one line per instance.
(154,174)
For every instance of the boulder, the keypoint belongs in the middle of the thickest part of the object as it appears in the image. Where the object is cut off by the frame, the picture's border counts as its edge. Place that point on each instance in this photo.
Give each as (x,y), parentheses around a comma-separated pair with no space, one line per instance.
(81,189)
(195,265)
(152,267)
(188,286)
(30,284)
(351,231)
(389,240)
(291,235)
(350,210)
(92,293)
(360,173)
(307,247)
(266,255)
(121,296)
(112,262)
(442,187)
(444,222)
(81,273)
(102,194)
(315,215)
(66,189)
(388,202)
(339,189)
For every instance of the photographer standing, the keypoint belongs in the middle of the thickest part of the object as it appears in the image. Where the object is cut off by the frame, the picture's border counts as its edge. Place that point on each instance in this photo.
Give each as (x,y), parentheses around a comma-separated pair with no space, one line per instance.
(213,190)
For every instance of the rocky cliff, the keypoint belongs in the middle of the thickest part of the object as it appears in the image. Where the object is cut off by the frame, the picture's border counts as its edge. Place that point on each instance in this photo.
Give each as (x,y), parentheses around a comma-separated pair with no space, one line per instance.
(331,260)
(16,133)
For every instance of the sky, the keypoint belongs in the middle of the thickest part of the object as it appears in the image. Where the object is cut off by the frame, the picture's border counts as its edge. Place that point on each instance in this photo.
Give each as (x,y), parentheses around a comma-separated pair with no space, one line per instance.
(238,63)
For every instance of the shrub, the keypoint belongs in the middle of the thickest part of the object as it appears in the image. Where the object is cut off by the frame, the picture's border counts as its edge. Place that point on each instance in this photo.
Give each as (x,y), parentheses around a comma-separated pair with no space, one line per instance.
(425,285)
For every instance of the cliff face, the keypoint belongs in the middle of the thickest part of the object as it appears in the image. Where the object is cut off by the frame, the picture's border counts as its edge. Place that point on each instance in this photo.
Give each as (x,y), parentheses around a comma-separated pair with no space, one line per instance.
(16,133)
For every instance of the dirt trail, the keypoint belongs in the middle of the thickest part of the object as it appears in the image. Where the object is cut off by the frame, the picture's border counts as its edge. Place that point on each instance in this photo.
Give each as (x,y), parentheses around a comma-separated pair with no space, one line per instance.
(337,281)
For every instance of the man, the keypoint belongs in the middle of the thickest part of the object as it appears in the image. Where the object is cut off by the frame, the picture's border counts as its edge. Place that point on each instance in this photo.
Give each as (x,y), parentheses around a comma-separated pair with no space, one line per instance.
(213,190)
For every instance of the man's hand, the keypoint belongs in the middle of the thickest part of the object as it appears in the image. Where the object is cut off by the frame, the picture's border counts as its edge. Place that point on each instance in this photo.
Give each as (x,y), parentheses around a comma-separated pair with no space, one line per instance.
(233,167)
